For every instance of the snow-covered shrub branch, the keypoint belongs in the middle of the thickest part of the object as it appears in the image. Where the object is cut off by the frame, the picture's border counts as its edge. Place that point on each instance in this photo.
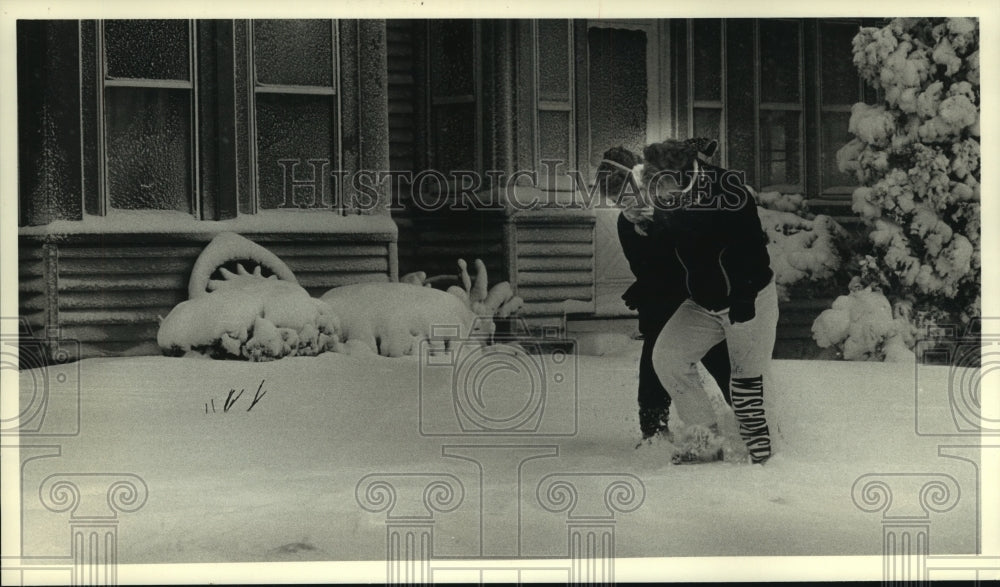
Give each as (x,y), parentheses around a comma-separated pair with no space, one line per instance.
(916,157)
(805,249)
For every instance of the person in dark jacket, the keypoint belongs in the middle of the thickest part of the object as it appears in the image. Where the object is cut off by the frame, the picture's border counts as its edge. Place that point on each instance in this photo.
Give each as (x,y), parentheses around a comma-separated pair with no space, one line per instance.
(657,292)
(710,219)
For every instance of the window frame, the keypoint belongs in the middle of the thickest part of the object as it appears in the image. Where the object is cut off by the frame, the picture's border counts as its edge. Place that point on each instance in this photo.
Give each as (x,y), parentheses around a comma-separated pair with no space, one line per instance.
(822,191)
(225,182)
(659,101)
(548,103)
(800,107)
(744,33)
(719,104)
(431,160)
(255,88)
(102,201)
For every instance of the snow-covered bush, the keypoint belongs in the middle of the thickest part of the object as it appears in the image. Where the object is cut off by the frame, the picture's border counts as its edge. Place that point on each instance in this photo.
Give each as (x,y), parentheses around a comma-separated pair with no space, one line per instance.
(245,314)
(916,157)
(227,248)
(487,302)
(391,319)
(264,314)
(862,326)
(805,249)
(257,321)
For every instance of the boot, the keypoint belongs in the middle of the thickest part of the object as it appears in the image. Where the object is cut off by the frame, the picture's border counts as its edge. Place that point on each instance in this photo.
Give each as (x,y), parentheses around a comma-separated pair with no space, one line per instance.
(653,423)
(698,444)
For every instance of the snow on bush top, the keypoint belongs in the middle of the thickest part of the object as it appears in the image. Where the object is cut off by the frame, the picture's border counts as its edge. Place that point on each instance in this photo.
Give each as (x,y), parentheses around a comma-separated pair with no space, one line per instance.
(391,318)
(801,248)
(262,320)
(861,325)
(227,247)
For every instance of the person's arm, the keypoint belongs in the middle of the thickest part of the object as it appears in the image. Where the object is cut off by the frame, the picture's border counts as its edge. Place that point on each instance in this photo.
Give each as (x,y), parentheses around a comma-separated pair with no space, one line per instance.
(746,260)
(659,275)
(632,246)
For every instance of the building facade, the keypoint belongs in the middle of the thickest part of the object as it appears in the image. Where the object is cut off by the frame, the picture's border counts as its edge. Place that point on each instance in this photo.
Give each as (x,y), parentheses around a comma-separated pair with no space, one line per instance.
(361,150)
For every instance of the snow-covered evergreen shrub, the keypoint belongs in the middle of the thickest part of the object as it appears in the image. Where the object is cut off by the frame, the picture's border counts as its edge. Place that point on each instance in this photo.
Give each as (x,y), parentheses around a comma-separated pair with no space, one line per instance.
(863,326)
(805,249)
(916,157)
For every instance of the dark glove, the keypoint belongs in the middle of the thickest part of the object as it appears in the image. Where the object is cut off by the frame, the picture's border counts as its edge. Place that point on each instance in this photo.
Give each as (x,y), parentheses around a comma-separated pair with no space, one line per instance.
(633,296)
(741,311)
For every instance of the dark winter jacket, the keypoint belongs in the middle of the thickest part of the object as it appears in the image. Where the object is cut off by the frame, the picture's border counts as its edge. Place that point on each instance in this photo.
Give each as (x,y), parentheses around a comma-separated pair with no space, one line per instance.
(719,242)
(659,276)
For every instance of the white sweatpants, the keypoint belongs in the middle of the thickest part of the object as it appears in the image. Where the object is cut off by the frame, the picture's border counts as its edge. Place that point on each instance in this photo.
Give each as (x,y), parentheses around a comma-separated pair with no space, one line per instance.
(688,335)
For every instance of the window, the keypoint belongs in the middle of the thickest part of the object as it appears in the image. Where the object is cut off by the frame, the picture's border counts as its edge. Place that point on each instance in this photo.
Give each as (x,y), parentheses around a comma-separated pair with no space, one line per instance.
(780,105)
(748,83)
(295,112)
(454,121)
(454,77)
(554,81)
(706,84)
(211,117)
(148,75)
(840,88)
(618,89)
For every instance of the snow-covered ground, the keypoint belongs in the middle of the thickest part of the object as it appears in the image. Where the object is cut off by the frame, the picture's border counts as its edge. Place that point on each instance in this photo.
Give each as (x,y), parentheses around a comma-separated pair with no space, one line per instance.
(278,482)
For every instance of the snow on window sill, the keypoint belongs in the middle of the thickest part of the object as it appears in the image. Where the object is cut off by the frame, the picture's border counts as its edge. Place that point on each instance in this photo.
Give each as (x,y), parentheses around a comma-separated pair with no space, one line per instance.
(169,222)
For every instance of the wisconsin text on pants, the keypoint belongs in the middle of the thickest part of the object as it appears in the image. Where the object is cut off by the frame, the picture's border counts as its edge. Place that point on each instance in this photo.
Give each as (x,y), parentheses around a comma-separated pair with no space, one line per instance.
(748,405)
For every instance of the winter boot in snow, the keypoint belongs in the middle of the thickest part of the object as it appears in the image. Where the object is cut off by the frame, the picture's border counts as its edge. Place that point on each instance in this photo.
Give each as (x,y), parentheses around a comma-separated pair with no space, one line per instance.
(653,423)
(698,444)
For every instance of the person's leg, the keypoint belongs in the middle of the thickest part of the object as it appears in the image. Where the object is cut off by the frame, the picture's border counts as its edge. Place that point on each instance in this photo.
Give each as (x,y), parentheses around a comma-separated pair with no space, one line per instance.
(684,340)
(654,402)
(750,347)
(716,362)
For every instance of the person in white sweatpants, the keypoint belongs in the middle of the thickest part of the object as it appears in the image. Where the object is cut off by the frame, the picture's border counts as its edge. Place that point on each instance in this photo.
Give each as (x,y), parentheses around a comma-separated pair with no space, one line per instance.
(689,333)
(715,232)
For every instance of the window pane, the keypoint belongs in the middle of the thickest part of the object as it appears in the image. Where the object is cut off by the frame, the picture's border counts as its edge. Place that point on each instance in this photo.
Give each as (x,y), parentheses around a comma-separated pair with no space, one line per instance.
(835,136)
(707,124)
(451,59)
(618,90)
(293,52)
(147,49)
(149,148)
(554,133)
(553,59)
(455,137)
(780,148)
(707,58)
(841,82)
(293,129)
(779,61)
